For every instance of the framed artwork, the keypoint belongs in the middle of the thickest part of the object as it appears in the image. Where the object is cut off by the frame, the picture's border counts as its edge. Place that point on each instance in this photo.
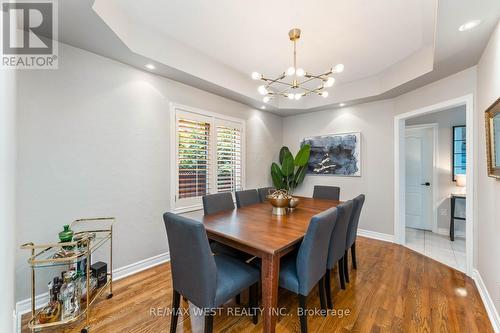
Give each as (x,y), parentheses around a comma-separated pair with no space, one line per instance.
(492,119)
(335,154)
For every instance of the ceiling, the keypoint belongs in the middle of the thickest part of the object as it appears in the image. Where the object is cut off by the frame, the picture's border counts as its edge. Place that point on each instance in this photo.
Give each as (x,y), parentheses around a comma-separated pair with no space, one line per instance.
(387,47)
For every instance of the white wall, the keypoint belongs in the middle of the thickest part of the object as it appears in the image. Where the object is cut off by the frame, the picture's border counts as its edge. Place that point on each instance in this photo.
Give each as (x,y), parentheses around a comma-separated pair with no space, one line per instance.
(94,141)
(445,120)
(7,196)
(488,194)
(375,121)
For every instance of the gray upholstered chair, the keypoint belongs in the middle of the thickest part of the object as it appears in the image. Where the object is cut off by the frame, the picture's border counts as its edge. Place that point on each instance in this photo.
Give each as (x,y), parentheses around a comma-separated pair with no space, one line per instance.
(301,271)
(336,250)
(207,281)
(263,192)
(352,232)
(326,192)
(247,197)
(216,203)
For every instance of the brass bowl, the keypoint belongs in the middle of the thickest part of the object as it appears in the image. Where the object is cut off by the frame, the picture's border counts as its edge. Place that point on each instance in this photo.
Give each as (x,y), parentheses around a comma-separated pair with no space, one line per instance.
(279,205)
(294,202)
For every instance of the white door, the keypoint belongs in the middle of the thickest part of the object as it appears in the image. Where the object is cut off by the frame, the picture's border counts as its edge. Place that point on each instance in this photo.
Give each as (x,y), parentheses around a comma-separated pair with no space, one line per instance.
(419,167)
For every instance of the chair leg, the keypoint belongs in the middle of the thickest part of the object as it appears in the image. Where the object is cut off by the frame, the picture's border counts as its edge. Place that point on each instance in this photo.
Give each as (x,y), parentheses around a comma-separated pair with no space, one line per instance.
(176,299)
(328,289)
(238,299)
(353,254)
(341,273)
(254,302)
(346,266)
(321,290)
(303,315)
(209,322)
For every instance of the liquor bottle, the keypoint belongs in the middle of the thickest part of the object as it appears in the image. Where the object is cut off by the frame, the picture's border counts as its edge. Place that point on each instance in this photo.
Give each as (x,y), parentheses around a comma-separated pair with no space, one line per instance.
(52,311)
(69,296)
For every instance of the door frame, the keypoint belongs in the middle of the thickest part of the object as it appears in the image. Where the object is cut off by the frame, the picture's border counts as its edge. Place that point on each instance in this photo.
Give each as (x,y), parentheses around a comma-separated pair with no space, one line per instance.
(400,171)
(435,159)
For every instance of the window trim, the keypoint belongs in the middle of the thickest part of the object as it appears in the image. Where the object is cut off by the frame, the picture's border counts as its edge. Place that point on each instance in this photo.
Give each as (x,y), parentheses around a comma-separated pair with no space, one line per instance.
(453,178)
(175,109)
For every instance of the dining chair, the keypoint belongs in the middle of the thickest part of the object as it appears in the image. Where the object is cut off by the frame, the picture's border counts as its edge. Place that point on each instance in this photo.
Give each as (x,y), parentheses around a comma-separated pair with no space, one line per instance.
(326,192)
(218,202)
(336,249)
(302,270)
(246,197)
(264,192)
(207,281)
(352,232)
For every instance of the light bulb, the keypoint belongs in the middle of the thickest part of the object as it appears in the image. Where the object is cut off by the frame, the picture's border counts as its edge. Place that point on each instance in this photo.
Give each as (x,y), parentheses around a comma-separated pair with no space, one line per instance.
(290,70)
(329,82)
(150,66)
(339,68)
(262,90)
(300,72)
(266,99)
(256,76)
(469,25)
(324,94)
(290,96)
(298,96)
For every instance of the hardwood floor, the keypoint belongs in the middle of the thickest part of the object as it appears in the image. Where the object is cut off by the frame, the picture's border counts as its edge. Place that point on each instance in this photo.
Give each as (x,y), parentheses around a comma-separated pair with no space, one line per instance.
(394,289)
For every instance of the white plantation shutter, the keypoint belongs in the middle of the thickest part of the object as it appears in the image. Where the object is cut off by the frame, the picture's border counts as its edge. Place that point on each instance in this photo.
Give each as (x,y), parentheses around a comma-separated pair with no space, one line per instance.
(207,156)
(193,157)
(228,152)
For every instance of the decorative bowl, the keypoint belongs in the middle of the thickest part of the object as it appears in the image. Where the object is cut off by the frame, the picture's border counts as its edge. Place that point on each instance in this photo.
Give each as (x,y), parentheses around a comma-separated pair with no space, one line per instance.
(294,202)
(279,205)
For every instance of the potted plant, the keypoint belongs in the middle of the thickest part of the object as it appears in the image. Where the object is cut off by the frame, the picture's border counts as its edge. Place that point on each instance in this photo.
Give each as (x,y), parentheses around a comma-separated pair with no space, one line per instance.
(291,171)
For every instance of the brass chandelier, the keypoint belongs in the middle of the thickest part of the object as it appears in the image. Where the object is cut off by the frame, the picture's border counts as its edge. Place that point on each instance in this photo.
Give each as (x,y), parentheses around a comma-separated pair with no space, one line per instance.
(292,83)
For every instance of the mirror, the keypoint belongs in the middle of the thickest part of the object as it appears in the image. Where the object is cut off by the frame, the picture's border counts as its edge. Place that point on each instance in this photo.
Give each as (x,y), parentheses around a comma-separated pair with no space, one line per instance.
(492,118)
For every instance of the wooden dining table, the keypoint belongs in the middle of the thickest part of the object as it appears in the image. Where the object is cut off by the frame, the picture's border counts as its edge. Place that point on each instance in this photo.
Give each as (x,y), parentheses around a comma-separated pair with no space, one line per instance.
(254,230)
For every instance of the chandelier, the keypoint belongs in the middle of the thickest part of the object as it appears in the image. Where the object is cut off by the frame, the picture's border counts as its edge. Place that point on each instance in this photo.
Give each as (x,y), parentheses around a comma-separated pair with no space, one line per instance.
(296,83)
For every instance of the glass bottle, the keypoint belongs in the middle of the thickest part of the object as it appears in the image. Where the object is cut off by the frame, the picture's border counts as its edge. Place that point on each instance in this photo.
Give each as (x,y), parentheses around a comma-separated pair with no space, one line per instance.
(69,296)
(52,311)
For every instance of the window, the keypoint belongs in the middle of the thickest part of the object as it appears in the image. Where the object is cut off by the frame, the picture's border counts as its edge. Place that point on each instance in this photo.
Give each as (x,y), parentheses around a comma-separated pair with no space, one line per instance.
(459,151)
(208,156)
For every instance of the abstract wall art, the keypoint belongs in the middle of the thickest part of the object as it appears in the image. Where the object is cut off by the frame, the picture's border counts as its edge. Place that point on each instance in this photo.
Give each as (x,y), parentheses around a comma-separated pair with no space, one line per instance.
(335,154)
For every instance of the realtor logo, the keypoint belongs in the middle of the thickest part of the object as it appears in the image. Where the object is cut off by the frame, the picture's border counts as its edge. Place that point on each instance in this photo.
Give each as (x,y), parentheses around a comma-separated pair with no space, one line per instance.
(28,32)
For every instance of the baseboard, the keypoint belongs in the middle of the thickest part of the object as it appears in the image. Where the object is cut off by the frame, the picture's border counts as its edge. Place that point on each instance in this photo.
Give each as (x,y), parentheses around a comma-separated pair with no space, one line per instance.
(376,235)
(487,301)
(446,232)
(24,306)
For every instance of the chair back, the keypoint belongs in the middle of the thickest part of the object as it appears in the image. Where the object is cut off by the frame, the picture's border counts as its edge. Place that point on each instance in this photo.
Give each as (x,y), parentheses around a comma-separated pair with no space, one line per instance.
(247,197)
(216,203)
(352,230)
(313,251)
(326,192)
(194,272)
(339,234)
(263,192)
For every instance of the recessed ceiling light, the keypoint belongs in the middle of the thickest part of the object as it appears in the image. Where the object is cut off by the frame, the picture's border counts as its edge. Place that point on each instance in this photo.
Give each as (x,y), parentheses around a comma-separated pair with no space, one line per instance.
(263,107)
(342,104)
(469,25)
(150,66)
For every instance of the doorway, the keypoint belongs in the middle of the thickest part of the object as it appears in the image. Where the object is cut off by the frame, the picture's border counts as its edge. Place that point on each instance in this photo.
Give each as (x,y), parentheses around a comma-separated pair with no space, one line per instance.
(427,166)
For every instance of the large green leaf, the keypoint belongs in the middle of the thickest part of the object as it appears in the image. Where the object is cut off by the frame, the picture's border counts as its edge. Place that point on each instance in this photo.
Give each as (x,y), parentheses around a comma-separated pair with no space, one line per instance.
(283,151)
(303,155)
(277,176)
(288,166)
(299,175)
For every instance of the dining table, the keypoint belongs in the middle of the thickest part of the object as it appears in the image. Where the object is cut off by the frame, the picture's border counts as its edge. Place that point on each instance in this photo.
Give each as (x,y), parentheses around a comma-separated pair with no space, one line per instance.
(255,230)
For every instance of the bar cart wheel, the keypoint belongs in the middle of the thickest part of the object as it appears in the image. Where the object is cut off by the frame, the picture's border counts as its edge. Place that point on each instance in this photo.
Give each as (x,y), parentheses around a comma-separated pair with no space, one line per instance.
(84,330)
(110,295)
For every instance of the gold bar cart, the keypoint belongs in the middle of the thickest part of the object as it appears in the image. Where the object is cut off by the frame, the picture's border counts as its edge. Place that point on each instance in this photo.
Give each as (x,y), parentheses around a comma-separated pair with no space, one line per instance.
(42,255)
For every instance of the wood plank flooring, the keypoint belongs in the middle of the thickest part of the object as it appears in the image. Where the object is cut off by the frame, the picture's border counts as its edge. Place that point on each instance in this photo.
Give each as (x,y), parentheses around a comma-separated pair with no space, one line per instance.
(394,289)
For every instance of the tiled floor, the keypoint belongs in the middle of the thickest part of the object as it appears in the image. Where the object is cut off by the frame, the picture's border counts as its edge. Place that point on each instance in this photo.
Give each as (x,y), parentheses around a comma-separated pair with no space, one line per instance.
(437,247)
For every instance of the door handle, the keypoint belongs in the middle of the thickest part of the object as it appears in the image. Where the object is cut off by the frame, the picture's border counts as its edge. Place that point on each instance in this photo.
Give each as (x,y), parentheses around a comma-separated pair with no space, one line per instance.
(426,184)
